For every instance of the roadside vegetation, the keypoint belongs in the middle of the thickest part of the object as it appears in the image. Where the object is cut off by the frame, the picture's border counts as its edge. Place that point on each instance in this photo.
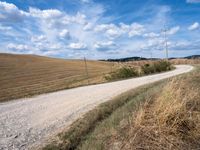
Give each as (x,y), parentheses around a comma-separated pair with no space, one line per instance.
(167,119)
(163,115)
(145,69)
(80,129)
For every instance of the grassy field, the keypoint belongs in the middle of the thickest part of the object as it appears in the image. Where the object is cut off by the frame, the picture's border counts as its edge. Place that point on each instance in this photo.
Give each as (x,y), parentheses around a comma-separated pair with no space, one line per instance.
(27,75)
(163,115)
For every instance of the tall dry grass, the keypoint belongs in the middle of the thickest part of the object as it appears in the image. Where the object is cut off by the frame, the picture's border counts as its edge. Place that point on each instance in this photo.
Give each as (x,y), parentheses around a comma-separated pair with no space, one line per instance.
(169,121)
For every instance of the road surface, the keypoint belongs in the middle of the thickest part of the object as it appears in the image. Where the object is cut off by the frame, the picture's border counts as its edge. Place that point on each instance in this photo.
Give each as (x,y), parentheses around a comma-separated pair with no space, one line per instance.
(30,121)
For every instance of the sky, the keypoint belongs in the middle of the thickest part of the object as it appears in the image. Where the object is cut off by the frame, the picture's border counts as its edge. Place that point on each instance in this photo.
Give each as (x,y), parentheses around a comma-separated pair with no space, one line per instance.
(100,29)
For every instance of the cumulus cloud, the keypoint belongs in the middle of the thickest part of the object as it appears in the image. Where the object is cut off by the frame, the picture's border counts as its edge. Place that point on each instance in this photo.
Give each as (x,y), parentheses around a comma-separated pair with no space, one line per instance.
(77,46)
(64,34)
(194,26)
(18,47)
(151,35)
(39,38)
(173,30)
(136,30)
(10,13)
(105,45)
(45,14)
(114,31)
(87,31)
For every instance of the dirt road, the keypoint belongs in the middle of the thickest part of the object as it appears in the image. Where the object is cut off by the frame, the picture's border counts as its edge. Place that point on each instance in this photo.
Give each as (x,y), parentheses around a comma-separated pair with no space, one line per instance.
(28,122)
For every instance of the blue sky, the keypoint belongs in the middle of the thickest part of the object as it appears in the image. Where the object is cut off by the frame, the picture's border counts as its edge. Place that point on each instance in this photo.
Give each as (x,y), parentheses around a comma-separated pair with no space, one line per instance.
(100,29)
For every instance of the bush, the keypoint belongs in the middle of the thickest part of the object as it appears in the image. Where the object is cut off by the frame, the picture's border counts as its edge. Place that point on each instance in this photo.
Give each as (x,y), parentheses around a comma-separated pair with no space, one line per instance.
(159,66)
(148,69)
(162,66)
(128,72)
(122,73)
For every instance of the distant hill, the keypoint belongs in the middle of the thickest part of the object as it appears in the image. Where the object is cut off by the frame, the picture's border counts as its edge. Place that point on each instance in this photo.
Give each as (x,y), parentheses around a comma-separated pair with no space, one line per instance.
(129,59)
(143,58)
(193,57)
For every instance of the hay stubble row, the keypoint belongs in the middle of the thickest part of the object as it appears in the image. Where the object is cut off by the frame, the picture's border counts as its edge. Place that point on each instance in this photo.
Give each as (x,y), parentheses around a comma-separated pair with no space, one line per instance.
(27,75)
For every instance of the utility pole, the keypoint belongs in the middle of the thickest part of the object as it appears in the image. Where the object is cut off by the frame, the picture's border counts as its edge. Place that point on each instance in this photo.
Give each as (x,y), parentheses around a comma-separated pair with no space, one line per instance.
(86,70)
(166,46)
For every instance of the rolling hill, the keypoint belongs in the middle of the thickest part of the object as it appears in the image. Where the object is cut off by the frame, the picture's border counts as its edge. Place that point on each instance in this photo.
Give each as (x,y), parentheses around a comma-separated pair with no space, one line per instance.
(27,75)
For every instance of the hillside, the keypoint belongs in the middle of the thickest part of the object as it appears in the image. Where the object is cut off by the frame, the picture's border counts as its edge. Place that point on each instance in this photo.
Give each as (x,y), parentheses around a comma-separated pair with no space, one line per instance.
(27,75)
(126,59)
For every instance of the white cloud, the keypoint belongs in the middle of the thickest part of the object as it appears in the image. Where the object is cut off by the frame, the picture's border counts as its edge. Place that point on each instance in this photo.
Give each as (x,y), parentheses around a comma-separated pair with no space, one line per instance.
(113,31)
(86,1)
(10,13)
(136,29)
(151,35)
(40,38)
(88,26)
(193,1)
(18,47)
(110,30)
(45,14)
(64,34)
(194,26)
(77,46)
(86,32)
(173,30)
(3,28)
(105,45)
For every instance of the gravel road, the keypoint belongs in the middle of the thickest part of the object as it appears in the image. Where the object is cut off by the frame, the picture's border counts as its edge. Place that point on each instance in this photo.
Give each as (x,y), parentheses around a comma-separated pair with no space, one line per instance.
(30,121)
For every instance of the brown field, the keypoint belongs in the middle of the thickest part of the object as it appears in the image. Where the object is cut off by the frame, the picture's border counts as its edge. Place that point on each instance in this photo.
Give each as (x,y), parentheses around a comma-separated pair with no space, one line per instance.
(27,75)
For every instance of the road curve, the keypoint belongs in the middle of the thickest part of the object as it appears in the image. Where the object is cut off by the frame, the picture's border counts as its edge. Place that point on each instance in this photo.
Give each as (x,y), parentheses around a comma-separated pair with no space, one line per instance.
(29,121)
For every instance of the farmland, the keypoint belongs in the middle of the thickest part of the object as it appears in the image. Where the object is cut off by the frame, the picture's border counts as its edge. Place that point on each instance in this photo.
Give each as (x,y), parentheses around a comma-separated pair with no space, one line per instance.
(27,75)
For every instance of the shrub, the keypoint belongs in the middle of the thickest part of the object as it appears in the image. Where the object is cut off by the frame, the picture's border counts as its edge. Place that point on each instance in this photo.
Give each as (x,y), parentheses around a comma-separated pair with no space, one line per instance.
(162,66)
(127,72)
(148,69)
(122,73)
(159,66)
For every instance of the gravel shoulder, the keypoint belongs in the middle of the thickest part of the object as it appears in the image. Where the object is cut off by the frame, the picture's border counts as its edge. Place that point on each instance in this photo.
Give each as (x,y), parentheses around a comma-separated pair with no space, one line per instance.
(30,121)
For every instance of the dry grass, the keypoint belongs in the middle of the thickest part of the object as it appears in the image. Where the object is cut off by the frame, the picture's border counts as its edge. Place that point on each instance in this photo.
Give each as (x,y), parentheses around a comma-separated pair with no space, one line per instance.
(165,116)
(27,75)
(170,120)
(80,129)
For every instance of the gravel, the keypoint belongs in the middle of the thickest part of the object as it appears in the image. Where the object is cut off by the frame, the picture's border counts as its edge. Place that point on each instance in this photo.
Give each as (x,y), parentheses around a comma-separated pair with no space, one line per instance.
(29,122)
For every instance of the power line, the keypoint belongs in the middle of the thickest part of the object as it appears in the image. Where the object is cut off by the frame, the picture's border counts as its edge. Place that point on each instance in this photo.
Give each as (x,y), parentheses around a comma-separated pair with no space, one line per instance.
(166,46)
(86,69)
